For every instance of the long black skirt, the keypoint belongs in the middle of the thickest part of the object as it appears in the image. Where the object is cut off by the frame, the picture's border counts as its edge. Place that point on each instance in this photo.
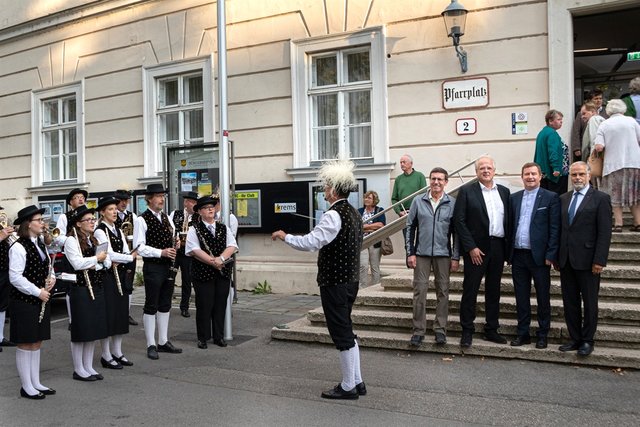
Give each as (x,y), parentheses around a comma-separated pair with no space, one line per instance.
(117,306)
(88,317)
(24,325)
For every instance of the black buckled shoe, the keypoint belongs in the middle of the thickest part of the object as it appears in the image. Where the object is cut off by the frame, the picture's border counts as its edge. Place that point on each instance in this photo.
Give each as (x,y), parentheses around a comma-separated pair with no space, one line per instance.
(110,364)
(88,379)
(122,360)
(361,389)
(38,396)
(339,393)
(169,348)
(202,345)
(47,392)
(220,343)
(152,352)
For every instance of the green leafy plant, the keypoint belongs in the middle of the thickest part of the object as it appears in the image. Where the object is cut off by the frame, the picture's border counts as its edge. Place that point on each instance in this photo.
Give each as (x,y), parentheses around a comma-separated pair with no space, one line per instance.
(138,279)
(262,288)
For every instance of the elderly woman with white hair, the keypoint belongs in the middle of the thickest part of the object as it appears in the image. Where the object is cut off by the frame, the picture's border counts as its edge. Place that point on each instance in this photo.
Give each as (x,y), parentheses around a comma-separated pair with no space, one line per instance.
(632,100)
(619,137)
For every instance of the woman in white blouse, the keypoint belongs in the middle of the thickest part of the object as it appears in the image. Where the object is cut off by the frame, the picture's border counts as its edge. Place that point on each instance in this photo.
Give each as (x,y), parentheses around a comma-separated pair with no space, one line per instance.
(115,293)
(86,295)
(32,280)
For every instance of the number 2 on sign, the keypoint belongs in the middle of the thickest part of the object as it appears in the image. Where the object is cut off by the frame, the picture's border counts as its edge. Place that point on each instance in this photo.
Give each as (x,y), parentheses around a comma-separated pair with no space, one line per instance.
(466,126)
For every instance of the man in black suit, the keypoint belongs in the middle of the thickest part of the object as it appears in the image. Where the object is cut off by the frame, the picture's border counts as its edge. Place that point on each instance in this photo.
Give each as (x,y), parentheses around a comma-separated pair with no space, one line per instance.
(535,216)
(481,219)
(585,237)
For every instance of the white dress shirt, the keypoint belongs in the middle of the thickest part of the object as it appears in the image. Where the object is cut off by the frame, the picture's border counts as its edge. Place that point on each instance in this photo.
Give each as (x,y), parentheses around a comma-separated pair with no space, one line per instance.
(495,209)
(193,243)
(327,229)
(79,261)
(17,263)
(523,238)
(120,258)
(61,225)
(583,192)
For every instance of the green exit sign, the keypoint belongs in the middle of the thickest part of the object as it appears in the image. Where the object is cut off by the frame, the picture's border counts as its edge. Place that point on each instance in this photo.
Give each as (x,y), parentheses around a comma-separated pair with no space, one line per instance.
(633,56)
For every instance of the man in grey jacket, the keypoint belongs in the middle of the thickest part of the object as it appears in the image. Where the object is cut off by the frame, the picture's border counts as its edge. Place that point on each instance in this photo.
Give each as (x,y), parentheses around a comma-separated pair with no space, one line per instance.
(429,243)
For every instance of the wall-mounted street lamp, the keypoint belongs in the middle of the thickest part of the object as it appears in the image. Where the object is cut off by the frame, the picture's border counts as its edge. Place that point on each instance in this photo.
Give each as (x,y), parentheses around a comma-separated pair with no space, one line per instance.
(455,18)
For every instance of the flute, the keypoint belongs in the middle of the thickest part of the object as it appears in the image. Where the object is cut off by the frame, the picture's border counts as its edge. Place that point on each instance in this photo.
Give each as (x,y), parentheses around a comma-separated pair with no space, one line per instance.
(85,272)
(118,284)
(43,305)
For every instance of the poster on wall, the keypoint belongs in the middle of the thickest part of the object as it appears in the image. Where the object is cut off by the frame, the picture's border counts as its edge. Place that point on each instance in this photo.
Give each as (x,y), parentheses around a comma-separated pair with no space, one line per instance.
(52,210)
(188,181)
(141,204)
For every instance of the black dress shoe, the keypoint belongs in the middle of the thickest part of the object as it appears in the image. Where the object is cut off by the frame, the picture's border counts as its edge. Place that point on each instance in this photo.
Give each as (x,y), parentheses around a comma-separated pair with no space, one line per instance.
(38,396)
(6,343)
(541,343)
(361,389)
(47,392)
(79,378)
(338,393)
(122,360)
(585,349)
(110,364)
(185,313)
(466,340)
(441,339)
(416,340)
(98,377)
(570,346)
(132,321)
(202,345)
(521,340)
(495,337)
(220,343)
(168,348)
(152,352)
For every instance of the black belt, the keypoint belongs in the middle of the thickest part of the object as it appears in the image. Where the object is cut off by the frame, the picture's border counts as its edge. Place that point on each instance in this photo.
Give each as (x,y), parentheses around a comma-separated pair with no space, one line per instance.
(496,238)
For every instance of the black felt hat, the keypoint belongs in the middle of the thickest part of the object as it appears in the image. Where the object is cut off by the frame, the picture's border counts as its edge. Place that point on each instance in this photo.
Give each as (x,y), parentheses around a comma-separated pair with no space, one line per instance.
(207,200)
(106,201)
(155,189)
(26,213)
(190,195)
(122,194)
(77,214)
(77,191)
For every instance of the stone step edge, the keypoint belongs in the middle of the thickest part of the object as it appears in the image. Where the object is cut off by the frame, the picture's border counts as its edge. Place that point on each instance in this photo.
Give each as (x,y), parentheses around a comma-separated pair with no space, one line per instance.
(558,330)
(301,330)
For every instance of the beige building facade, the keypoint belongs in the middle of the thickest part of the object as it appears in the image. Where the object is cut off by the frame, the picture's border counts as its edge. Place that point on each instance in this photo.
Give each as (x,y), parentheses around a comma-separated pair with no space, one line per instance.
(92,92)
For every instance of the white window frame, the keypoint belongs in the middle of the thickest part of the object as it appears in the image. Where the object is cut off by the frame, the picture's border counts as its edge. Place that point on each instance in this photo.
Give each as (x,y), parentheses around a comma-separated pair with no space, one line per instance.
(153,150)
(37,149)
(301,62)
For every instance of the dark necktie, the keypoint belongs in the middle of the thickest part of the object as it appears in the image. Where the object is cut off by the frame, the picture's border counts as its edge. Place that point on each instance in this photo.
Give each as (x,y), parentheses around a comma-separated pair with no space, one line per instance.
(572,207)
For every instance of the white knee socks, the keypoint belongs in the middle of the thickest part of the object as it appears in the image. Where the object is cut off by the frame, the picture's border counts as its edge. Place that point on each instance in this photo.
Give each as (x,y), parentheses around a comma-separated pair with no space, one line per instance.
(76,355)
(87,357)
(347,366)
(106,349)
(68,300)
(23,363)
(356,364)
(163,327)
(149,322)
(3,315)
(35,371)
(116,345)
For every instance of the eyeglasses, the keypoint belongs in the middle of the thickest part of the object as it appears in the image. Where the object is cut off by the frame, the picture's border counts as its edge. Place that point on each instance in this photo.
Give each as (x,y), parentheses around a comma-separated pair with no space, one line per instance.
(37,219)
(88,220)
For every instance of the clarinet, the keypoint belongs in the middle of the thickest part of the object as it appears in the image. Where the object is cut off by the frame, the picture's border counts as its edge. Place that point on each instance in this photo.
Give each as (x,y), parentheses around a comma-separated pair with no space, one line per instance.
(85,272)
(43,305)
(173,270)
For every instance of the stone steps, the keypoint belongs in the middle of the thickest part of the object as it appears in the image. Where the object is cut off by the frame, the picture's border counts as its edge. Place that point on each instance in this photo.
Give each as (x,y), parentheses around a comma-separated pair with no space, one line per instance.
(303,330)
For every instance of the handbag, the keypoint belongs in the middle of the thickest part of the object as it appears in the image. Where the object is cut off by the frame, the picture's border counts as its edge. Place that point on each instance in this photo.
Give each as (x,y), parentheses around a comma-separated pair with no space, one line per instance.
(387,247)
(596,163)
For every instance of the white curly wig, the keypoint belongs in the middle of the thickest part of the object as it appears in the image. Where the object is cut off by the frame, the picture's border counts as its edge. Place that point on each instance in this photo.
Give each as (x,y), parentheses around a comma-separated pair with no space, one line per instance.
(338,174)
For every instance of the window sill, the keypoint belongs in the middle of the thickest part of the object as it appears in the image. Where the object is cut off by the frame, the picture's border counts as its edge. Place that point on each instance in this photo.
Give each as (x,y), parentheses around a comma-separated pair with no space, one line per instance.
(310,173)
(57,188)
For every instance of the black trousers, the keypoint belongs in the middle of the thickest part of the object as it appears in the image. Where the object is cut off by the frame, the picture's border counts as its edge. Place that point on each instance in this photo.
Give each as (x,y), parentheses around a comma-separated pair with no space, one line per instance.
(559,187)
(580,286)
(158,291)
(211,304)
(184,263)
(524,269)
(337,302)
(491,269)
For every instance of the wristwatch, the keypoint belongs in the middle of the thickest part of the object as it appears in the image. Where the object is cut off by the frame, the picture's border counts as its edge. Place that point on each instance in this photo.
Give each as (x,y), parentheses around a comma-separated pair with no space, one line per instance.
(222,258)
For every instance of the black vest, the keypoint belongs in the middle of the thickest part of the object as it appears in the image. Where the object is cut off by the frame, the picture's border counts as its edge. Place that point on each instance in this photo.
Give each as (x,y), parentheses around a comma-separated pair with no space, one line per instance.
(200,271)
(4,255)
(35,269)
(95,276)
(339,261)
(159,235)
(117,244)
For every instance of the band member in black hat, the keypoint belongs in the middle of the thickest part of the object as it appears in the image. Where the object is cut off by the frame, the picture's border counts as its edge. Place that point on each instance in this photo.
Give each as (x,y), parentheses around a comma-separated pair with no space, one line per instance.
(211,244)
(116,298)
(154,236)
(6,231)
(124,222)
(182,219)
(76,198)
(87,293)
(32,280)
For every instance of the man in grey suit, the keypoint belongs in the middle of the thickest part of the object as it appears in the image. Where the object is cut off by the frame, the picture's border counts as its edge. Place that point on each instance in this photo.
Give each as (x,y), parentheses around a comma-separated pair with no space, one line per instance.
(585,238)
(535,215)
